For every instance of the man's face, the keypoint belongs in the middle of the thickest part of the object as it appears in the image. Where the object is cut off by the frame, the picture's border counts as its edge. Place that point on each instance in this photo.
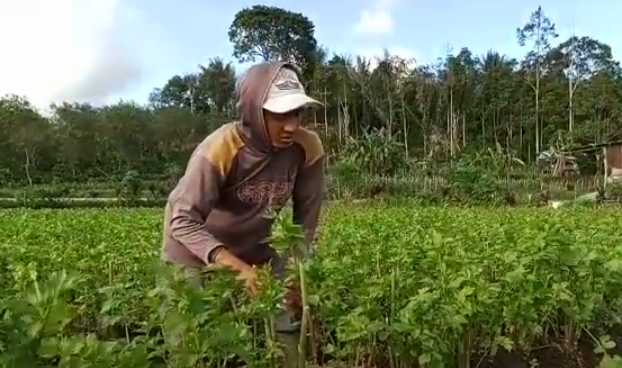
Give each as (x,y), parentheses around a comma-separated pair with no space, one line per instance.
(281,127)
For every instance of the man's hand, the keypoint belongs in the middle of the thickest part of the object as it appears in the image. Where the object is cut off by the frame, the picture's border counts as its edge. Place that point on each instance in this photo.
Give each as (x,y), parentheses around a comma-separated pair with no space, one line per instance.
(293,300)
(250,281)
(246,272)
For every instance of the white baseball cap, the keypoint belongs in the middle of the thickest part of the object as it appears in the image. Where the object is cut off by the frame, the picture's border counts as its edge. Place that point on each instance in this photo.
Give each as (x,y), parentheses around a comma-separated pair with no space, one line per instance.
(287,93)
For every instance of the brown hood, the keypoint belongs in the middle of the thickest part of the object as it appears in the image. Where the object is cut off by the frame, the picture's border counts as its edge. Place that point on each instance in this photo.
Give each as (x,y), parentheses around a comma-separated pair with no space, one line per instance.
(252,93)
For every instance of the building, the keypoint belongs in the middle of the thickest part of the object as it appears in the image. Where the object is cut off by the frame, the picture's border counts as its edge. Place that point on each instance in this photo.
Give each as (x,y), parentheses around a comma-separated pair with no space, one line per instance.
(611,154)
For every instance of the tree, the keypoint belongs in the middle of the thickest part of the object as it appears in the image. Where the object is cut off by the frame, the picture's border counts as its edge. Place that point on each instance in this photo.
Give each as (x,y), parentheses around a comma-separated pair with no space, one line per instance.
(539,30)
(28,132)
(274,34)
(580,58)
(187,91)
(219,81)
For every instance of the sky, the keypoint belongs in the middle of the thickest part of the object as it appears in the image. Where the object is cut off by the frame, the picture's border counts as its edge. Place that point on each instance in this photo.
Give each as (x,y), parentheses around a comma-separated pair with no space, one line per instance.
(100,51)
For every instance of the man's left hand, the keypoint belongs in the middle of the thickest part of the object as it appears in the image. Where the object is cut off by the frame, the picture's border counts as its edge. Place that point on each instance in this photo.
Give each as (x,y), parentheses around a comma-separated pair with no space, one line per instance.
(293,301)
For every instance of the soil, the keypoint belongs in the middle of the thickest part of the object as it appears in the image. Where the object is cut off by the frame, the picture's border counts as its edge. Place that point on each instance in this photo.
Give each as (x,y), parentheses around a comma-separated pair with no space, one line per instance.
(552,356)
(549,357)
(555,355)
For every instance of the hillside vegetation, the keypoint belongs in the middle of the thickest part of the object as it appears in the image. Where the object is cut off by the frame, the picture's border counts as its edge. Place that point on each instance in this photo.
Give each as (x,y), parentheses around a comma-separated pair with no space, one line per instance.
(381,115)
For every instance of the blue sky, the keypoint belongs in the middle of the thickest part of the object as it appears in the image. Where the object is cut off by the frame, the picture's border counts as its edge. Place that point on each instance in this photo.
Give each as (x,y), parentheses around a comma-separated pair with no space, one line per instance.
(143,43)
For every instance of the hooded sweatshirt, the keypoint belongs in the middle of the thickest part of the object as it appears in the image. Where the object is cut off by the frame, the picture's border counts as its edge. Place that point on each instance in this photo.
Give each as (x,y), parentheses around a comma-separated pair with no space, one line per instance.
(235,176)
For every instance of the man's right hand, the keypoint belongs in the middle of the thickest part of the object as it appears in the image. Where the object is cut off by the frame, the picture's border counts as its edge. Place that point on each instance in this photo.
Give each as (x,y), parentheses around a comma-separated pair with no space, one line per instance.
(246,272)
(250,281)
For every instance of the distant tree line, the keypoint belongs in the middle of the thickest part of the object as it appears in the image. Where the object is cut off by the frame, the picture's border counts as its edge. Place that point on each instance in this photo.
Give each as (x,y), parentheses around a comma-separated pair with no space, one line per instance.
(377,111)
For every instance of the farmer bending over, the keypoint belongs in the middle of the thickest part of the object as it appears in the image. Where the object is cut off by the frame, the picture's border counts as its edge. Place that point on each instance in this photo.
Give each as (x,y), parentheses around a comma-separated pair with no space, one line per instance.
(215,214)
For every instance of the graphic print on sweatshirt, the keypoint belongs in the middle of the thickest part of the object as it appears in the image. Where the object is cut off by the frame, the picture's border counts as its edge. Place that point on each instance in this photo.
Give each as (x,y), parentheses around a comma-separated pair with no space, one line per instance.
(274,193)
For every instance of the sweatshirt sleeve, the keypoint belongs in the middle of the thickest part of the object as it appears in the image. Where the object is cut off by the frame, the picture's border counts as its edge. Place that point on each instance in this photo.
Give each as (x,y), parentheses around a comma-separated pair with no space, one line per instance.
(191,202)
(308,196)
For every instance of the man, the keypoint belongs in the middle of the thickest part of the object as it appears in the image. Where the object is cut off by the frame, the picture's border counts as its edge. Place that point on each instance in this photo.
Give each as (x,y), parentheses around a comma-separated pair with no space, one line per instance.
(216,213)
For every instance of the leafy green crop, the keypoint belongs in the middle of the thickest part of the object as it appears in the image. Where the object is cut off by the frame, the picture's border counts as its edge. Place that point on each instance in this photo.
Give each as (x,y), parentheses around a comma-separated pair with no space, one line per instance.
(388,285)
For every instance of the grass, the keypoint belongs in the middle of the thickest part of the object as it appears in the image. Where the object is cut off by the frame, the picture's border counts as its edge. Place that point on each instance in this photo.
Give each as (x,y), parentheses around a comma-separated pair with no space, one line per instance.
(389,286)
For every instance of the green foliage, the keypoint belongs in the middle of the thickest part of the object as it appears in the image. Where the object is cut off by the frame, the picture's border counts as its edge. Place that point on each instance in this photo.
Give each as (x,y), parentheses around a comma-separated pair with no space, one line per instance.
(388,282)
(130,187)
(375,153)
(614,191)
(470,182)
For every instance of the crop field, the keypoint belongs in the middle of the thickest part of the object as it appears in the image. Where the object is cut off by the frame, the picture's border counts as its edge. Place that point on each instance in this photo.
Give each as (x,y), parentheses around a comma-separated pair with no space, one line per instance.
(388,286)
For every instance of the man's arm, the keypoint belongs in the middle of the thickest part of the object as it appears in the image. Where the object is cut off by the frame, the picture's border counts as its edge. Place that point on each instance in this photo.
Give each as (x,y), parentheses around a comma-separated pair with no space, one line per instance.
(191,202)
(308,197)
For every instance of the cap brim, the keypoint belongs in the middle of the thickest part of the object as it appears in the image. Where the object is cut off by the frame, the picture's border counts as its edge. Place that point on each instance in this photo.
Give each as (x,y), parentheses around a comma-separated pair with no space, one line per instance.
(284,104)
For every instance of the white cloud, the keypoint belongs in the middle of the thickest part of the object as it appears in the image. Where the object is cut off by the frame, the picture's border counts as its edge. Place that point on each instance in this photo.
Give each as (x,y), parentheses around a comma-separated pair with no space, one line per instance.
(73,50)
(374,22)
